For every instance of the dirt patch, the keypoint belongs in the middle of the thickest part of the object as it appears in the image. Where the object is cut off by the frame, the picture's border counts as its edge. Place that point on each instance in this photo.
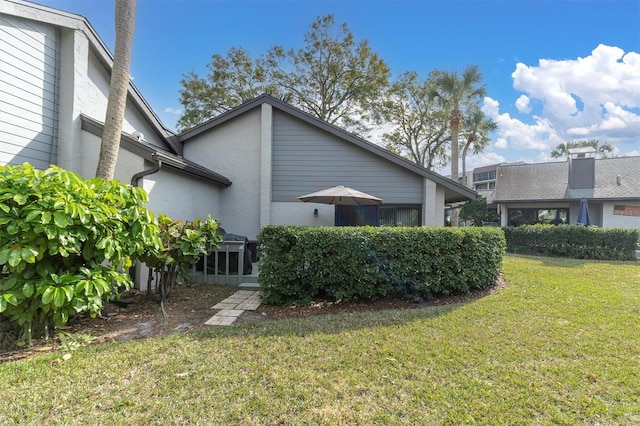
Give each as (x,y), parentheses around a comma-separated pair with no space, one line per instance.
(139,316)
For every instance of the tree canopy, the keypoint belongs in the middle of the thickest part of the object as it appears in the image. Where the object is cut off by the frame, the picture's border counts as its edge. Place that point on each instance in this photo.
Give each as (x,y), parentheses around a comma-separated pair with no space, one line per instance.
(562,150)
(476,211)
(342,81)
(454,91)
(332,77)
(475,133)
(418,124)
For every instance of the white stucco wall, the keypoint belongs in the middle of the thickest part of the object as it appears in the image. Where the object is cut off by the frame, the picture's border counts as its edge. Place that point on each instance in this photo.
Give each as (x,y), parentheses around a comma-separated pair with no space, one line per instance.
(433,206)
(181,197)
(87,159)
(609,220)
(233,150)
(84,89)
(301,214)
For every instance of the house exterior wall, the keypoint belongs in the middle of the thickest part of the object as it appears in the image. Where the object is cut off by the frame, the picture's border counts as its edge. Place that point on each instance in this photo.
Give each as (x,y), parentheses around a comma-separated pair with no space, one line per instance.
(234,150)
(272,158)
(307,159)
(28,92)
(167,195)
(86,87)
(128,163)
(600,213)
(49,76)
(433,206)
(611,220)
(301,214)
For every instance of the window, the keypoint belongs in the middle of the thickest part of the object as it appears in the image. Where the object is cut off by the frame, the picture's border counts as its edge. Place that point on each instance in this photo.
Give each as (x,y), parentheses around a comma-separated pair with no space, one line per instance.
(479,177)
(399,216)
(384,215)
(357,216)
(485,186)
(554,216)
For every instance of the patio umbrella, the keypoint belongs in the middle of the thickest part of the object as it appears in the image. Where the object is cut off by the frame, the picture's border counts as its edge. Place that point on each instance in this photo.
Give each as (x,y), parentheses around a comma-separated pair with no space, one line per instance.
(583,213)
(341,195)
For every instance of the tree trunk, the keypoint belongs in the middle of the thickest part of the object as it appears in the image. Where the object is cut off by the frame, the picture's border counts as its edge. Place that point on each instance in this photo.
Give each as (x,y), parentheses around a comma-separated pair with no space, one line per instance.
(455,123)
(464,165)
(124,25)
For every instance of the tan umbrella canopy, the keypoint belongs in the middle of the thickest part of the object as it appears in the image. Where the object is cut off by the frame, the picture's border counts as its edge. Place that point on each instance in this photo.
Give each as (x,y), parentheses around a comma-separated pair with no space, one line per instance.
(341,195)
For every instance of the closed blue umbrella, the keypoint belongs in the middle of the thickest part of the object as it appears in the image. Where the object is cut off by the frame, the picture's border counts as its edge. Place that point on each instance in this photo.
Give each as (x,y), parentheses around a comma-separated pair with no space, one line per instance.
(583,213)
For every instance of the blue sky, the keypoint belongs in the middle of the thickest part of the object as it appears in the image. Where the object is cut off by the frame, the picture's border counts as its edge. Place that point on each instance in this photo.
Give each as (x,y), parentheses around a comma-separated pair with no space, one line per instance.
(555,71)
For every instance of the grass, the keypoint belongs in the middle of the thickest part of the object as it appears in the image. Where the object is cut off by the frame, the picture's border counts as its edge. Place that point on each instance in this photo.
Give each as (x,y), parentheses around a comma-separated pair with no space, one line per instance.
(559,345)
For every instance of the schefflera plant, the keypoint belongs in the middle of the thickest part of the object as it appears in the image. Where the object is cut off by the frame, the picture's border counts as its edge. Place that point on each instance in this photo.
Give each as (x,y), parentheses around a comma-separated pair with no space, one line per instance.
(183,245)
(66,244)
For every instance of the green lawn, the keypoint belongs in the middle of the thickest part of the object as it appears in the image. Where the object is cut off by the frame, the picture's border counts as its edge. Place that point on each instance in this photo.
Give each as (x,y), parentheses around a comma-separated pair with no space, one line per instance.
(559,345)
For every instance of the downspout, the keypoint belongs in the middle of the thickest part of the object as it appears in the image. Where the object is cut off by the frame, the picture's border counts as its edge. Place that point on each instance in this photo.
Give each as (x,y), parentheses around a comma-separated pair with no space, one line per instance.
(154,169)
(134,182)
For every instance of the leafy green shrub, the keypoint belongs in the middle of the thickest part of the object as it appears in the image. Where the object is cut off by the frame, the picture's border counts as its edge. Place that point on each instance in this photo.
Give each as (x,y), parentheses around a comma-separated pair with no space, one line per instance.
(575,241)
(476,211)
(66,243)
(184,243)
(299,264)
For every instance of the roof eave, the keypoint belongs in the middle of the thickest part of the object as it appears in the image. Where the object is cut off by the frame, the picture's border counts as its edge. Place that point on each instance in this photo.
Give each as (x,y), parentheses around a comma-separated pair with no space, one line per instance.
(148,152)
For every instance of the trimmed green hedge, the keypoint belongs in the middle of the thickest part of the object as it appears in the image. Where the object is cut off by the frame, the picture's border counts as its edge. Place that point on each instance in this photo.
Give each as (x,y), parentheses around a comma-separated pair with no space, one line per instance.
(301,264)
(576,241)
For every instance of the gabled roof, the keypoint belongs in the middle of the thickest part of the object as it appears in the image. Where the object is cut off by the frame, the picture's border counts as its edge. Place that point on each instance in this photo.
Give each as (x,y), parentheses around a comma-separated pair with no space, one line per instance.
(36,12)
(550,181)
(455,192)
(149,152)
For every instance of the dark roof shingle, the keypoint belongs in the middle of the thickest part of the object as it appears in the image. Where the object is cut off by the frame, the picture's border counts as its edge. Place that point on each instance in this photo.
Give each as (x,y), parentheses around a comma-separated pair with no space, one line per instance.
(550,181)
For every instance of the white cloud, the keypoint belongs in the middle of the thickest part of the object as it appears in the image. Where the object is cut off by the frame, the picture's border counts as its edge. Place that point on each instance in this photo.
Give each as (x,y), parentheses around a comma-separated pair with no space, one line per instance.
(596,97)
(175,111)
(501,143)
(523,105)
(483,159)
(515,134)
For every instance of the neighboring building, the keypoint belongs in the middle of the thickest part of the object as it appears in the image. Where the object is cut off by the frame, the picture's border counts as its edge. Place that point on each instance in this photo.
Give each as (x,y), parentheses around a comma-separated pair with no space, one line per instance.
(551,192)
(54,85)
(484,178)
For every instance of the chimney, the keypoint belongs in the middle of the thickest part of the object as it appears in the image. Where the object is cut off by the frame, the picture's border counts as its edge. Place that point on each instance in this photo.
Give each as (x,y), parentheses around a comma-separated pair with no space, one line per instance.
(582,168)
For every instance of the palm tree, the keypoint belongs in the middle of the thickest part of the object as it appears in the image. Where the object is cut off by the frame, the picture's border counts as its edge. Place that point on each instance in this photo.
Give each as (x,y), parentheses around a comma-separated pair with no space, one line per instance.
(124,25)
(453,91)
(476,128)
(562,150)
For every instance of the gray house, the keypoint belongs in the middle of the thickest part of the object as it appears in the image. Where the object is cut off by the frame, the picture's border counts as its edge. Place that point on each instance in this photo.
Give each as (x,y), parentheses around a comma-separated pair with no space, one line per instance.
(551,192)
(274,153)
(246,167)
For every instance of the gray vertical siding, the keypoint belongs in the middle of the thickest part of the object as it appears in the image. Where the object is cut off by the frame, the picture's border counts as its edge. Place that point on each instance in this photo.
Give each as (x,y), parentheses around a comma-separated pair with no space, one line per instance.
(307,159)
(28,92)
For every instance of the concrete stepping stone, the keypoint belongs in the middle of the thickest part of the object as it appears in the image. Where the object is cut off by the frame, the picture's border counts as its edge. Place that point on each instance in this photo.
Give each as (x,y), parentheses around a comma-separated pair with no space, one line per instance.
(232,308)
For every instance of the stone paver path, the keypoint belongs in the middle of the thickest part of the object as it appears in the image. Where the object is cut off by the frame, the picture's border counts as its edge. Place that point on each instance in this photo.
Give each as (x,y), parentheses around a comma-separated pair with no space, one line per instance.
(232,308)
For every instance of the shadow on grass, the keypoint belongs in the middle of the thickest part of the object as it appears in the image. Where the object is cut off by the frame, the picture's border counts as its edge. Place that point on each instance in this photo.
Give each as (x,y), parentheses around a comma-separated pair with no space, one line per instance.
(568,262)
(326,324)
